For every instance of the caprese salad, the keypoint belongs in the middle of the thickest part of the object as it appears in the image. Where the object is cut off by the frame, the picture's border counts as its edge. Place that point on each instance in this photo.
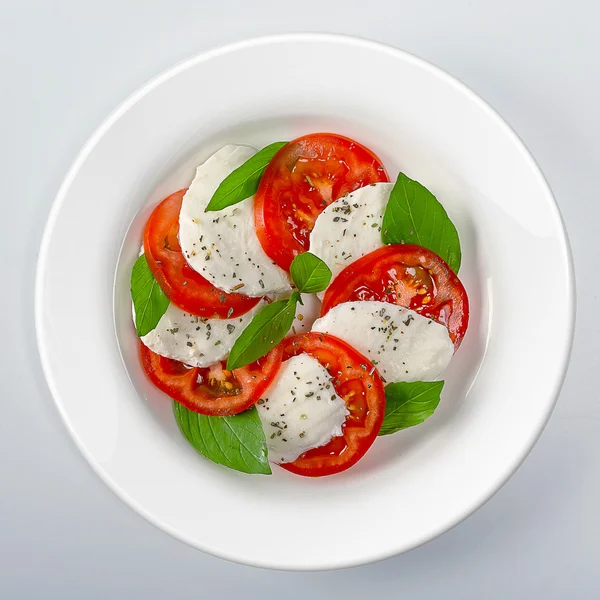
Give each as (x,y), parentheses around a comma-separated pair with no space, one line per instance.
(295,304)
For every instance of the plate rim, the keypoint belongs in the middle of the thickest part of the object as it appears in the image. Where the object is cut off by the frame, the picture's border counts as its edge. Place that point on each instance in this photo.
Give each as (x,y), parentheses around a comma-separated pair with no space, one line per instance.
(207,55)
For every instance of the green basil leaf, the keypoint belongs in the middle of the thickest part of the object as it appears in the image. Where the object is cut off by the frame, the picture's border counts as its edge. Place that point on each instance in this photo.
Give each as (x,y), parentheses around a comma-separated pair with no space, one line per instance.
(409,404)
(413,215)
(310,273)
(266,330)
(149,301)
(237,442)
(243,182)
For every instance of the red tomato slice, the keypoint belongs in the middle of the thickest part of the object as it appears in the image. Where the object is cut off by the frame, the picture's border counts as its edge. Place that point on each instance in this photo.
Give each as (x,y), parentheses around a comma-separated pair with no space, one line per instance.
(303,178)
(213,390)
(356,380)
(182,285)
(407,275)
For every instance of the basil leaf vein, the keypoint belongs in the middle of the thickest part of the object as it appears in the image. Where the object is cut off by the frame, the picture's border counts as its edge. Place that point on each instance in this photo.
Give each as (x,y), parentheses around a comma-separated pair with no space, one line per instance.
(413,215)
(243,181)
(310,273)
(267,328)
(409,404)
(236,441)
(149,301)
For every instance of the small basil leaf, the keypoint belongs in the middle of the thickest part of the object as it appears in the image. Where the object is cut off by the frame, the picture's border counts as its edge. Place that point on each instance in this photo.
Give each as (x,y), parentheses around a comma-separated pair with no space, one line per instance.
(237,441)
(149,301)
(243,182)
(266,330)
(310,273)
(409,404)
(413,215)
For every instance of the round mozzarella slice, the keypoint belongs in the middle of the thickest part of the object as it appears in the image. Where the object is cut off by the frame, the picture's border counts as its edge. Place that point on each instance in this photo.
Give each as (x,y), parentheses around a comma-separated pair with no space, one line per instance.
(350,227)
(194,341)
(404,345)
(222,245)
(300,410)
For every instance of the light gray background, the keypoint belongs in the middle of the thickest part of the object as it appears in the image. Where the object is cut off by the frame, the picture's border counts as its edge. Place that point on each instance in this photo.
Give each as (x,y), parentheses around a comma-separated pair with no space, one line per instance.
(64,65)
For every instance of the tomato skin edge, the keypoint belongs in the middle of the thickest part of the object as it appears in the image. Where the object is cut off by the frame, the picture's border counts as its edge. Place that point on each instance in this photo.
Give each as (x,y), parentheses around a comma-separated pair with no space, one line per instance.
(180,388)
(360,442)
(274,229)
(342,287)
(184,287)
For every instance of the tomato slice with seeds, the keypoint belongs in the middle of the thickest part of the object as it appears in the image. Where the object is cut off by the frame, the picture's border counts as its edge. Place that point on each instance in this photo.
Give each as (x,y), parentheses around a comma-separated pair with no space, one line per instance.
(356,380)
(410,276)
(182,285)
(213,390)
(302,179)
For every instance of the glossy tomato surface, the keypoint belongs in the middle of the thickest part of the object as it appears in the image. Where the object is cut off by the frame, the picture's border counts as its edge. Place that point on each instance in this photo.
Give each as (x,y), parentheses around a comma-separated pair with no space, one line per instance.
(302,179)
(182,285)
(213,390)
(356,380)
(410,276)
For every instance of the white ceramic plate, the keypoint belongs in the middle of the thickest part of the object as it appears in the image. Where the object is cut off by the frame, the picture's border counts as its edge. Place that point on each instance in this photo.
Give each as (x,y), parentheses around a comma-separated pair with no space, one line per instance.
(501,386)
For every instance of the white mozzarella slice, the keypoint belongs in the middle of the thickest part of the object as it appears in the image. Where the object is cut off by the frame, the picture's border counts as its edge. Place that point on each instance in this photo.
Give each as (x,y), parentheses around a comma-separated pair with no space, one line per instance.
(195,341)
(300,410)
(222,245)
(404,345)
(350,227)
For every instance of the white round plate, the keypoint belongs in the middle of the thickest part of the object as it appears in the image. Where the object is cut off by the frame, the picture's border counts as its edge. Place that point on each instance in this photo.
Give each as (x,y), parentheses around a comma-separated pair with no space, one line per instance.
(500,387)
